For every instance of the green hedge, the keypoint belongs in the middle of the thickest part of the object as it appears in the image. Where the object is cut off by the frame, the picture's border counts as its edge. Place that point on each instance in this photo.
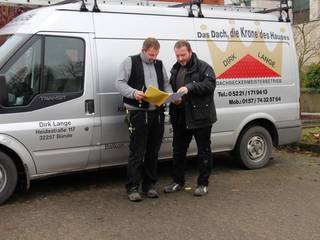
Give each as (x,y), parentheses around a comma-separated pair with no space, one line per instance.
(313,76)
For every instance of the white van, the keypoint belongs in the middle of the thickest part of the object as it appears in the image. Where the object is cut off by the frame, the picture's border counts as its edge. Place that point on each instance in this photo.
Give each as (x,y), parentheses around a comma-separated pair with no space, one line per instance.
(60,111)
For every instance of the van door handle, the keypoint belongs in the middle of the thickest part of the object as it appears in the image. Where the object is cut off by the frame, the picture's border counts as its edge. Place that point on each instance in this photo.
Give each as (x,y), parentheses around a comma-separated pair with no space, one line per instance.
(89,106)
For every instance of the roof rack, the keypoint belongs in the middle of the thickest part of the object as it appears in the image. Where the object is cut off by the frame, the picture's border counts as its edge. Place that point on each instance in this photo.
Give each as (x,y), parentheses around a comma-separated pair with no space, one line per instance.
(284,7)
(161,3)
(29,2)
(134,2)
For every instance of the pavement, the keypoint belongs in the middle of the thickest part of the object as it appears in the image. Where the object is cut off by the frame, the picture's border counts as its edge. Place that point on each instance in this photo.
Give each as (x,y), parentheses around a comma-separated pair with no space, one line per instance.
(278,202)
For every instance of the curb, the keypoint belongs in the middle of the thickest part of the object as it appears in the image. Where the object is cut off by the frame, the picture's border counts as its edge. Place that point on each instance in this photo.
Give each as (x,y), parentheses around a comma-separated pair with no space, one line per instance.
(310,119)
(310,147)
(310,123)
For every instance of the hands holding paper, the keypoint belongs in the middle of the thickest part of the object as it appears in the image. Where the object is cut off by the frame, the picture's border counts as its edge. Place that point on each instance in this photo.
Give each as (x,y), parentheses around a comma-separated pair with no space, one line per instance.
(158,97)
(139,95)
(183,90)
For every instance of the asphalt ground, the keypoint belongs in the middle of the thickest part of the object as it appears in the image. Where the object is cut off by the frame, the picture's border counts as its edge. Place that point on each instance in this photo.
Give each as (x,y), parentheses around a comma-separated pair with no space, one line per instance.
(280,201)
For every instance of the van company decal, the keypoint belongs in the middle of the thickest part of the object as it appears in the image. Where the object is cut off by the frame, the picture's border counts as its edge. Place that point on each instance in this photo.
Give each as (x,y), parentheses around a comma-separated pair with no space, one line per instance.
(253,64)
(245,59)
(51,130)
(248,96)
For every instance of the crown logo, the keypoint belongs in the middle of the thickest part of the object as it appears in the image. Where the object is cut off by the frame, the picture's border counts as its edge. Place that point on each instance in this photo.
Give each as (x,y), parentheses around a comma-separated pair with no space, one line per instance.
(247,59)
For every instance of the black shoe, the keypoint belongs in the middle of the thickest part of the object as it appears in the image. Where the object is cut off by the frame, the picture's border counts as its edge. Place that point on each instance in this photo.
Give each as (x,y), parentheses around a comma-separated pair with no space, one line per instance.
(151,193)
(200,191)
(134,196)
(173,187)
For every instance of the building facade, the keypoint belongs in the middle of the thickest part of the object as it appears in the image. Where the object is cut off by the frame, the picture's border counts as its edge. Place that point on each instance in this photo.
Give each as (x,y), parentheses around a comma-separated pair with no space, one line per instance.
(7,13)
(314,10)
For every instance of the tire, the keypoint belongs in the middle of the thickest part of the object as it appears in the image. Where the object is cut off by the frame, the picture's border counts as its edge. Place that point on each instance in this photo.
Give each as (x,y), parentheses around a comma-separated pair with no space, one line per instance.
(8,177)
(254,147)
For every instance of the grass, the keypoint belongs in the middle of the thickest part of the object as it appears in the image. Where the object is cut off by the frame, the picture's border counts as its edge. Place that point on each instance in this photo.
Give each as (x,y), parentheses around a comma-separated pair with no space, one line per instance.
(309,143)
(311,136)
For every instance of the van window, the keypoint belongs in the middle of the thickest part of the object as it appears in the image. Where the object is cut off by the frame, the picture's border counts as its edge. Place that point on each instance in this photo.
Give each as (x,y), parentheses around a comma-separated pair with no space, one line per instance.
(49,65)
(23,76)
(9,44)
(63,65)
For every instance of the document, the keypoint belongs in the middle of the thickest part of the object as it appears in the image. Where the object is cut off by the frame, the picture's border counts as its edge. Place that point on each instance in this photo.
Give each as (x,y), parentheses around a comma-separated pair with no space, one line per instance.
(158,97)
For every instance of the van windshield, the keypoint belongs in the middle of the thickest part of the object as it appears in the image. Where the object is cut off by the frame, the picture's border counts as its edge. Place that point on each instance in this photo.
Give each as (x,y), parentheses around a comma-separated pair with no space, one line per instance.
(9,44)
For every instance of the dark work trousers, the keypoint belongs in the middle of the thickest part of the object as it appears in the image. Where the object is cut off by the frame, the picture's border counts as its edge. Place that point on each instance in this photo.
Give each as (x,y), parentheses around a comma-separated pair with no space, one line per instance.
(181,140)
(146,131)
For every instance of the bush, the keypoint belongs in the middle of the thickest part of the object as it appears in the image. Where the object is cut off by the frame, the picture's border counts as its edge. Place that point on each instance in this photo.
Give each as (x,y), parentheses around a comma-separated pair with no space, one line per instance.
(303,79)
(313,76)
(310,90)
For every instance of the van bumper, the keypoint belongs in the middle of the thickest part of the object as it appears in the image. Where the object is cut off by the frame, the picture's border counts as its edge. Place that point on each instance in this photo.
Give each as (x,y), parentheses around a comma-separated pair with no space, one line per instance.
(289,132)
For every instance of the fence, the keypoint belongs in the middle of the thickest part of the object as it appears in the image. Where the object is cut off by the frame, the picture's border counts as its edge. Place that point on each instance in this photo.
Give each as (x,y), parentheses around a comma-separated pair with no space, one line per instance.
(310,100)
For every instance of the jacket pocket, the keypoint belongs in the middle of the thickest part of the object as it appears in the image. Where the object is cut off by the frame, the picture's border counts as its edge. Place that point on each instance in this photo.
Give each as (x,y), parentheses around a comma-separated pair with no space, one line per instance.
(201,111)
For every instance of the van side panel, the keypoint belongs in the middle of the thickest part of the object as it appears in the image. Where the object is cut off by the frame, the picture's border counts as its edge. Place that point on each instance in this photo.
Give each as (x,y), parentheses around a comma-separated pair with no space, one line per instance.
(266,90)
(115,42)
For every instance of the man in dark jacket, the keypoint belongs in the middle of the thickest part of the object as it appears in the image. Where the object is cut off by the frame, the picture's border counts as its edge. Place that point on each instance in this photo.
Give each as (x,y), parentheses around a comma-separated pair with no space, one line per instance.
(146,121)
(193,115)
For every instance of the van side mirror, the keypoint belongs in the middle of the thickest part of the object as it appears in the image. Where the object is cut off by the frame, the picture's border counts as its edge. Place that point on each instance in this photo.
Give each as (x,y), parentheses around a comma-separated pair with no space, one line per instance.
(3,91)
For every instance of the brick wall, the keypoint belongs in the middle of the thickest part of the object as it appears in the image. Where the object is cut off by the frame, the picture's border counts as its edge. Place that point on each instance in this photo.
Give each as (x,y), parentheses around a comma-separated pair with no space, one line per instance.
(7,13)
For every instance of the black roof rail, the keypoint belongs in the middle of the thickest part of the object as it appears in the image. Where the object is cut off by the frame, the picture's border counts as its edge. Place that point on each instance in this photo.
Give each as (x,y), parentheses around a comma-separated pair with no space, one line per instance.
(270,10)
(65,2)
(192,2)
(284,8)
(83,7)
(95,7)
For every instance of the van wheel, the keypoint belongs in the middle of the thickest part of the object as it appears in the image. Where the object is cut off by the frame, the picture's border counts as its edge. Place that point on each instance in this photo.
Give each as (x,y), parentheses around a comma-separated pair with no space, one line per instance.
(254,147)
(8,177)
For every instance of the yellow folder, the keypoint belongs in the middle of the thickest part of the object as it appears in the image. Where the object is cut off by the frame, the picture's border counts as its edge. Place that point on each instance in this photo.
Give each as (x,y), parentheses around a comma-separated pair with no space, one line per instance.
(156,96)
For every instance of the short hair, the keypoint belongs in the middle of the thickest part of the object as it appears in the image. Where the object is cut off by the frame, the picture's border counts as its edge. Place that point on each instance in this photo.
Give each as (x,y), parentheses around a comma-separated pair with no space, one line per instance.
(151,43)
(183,43)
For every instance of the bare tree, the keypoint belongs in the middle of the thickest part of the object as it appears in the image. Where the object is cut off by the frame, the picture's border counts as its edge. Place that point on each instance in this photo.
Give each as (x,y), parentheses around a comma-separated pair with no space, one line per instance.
(307,43)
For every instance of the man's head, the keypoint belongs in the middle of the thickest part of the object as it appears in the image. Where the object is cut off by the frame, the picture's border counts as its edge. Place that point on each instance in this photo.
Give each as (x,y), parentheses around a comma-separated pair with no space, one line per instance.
(183,52)
(151,48)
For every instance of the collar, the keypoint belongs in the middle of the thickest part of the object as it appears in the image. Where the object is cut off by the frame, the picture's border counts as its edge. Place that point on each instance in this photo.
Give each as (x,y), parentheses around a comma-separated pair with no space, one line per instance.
(191,65)
(144,59)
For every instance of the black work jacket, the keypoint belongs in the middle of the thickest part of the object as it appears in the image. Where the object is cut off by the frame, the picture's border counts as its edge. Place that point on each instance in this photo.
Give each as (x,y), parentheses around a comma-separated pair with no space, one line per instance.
(198,104)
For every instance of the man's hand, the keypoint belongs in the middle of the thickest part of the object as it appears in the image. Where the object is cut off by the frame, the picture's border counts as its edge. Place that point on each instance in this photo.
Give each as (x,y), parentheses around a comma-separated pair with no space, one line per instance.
(178,102)
(183,90)
(139,95)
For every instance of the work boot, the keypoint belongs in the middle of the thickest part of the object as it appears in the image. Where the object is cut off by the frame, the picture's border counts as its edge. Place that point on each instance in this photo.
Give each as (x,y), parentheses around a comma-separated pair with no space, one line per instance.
(151,193)
(200,191)
(173,187)
(134,195)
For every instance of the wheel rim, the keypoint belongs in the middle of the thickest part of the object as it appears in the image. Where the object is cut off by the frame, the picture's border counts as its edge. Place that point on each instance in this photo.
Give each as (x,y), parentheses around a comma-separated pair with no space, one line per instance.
(256,148)
(3,178)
